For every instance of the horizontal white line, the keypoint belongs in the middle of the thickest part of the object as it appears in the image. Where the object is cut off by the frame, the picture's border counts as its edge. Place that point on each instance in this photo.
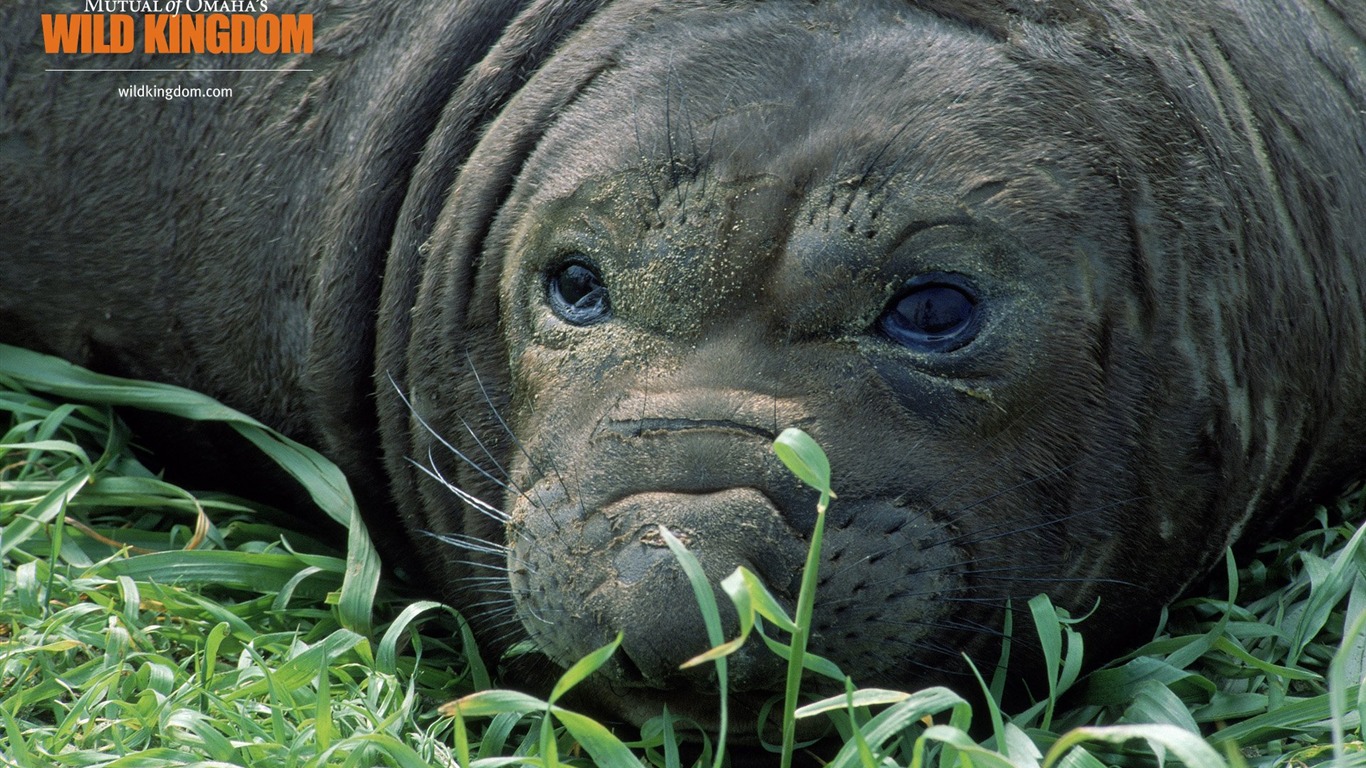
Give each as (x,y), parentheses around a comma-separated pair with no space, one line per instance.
(179,70)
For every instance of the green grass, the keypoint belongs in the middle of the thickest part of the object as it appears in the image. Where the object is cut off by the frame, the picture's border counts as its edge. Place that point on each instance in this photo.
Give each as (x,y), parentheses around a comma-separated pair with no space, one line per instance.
(141,625)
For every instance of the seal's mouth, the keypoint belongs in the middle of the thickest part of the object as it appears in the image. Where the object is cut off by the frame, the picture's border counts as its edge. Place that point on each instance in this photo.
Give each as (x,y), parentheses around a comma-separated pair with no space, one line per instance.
(644,427)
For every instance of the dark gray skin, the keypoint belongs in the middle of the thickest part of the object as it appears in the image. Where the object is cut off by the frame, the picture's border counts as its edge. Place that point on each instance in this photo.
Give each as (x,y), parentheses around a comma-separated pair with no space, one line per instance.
(1152,217)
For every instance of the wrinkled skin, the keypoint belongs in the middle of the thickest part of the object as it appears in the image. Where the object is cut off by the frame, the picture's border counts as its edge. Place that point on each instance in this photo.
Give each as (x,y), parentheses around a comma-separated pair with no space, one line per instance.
(1158,214)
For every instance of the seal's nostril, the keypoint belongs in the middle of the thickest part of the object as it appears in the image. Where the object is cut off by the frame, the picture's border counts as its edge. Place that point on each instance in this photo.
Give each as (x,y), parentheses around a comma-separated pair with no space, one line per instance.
(627,670)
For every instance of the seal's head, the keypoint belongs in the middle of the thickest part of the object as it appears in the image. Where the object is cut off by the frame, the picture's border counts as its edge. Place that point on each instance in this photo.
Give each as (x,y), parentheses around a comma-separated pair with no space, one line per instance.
(977,279)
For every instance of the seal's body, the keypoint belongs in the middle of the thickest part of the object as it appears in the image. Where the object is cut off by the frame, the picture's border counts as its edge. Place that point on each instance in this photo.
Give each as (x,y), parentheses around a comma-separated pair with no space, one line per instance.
(1073,293)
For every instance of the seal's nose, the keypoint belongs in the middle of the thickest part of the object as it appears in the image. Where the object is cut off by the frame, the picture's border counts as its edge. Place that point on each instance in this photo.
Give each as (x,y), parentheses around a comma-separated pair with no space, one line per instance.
(723,530)
(628,580)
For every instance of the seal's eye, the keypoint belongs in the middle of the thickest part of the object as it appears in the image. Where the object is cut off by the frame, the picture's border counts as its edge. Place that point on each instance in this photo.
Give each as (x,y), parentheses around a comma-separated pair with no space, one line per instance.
(576,294)
(935,313)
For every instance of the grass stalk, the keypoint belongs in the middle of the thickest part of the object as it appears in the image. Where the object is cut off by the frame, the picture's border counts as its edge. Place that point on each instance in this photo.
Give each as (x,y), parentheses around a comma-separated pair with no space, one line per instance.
(808,462)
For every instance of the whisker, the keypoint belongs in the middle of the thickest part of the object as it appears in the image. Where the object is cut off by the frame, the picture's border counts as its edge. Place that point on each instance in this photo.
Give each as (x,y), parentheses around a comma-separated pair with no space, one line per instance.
(1058,580)
(498,567)
(494,513)
(990,602)
(510,621)
(471,543)
(480,546)
(644,162)
(499,604)
(873,163)
(960,625)
(892,170)
(511,631)
(501,470)
(493,409)
(486,580)
(976,538)
(444,442)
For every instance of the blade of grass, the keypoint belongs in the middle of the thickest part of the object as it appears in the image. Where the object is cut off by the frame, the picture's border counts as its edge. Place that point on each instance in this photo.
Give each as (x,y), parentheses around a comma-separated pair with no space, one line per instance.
(320,478)
(711,618)
(808,462)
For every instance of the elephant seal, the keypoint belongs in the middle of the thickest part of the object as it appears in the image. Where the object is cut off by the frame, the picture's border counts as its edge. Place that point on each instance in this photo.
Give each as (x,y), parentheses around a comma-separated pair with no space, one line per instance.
(1073,293)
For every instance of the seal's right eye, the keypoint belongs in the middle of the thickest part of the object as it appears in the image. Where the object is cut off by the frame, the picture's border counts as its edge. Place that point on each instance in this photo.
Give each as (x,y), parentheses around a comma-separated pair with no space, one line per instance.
(576,294)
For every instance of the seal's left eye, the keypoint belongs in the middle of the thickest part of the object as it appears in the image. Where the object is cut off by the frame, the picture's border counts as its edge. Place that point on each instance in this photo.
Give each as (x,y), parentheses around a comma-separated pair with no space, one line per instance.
(576,294)
(935,314)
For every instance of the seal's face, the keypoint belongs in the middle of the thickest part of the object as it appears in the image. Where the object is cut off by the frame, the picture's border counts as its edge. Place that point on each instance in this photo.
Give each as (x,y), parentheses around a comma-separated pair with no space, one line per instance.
(892,261)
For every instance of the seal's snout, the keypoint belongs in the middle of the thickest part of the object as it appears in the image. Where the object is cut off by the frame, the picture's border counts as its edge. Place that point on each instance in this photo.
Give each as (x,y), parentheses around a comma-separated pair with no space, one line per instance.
(724,530)
(588,556)
(621,576)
